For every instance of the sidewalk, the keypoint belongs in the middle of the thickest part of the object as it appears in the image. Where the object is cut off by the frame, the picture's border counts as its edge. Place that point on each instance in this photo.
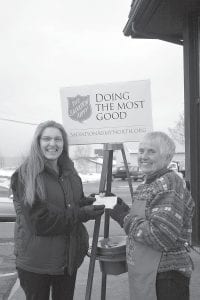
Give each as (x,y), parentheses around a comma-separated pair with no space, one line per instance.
(117,285)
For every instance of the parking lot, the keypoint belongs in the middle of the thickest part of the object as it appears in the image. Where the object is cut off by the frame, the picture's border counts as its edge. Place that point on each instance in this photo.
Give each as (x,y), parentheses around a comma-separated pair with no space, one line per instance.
(117,285)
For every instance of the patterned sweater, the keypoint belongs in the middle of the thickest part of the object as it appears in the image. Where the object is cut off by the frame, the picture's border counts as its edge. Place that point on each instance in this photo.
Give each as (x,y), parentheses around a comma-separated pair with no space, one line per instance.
(167,226)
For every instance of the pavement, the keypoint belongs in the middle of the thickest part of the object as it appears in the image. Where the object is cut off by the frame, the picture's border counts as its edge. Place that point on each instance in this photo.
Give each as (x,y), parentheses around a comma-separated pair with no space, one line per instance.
(116,285)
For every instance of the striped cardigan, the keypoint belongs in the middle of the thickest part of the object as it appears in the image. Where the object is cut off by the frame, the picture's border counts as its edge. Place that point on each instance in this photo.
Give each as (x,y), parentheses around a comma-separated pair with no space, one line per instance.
(167,226)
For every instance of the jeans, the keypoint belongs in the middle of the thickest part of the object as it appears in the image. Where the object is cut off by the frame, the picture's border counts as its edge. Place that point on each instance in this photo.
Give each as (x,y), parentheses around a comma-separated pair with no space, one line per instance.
(172,285)
(37,286)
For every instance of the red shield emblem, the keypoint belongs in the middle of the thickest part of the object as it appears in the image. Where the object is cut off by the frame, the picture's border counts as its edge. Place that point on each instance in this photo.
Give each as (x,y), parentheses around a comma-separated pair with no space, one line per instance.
(79,108)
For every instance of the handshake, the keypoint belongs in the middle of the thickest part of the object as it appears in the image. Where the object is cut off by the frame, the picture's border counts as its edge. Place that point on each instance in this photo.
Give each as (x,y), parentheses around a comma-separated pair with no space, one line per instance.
(88,211)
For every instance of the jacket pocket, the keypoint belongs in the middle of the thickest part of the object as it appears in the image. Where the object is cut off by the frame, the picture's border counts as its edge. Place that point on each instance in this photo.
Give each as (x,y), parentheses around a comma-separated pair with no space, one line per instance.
(79,244)
(22,237)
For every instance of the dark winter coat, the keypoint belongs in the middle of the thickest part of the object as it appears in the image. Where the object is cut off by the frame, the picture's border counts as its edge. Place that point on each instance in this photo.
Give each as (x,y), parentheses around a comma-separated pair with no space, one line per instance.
(49,236)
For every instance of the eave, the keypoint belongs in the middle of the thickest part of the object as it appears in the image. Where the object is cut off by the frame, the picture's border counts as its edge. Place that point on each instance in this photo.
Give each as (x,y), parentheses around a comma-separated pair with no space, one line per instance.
(159,19)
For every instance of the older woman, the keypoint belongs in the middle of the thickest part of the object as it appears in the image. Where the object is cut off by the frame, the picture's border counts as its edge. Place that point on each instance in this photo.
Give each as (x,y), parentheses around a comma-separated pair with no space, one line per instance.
(50,239)
(158,226)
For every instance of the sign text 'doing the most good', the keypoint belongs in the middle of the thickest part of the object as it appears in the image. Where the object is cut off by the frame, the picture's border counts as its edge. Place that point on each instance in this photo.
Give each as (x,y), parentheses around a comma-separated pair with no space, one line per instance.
(107,113)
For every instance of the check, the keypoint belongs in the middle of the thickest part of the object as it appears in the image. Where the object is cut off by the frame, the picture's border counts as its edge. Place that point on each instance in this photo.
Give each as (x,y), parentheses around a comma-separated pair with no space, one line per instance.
(109,201)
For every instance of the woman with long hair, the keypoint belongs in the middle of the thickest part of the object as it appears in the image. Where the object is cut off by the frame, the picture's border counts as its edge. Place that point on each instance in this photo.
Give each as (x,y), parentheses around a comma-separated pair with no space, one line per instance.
(50,238)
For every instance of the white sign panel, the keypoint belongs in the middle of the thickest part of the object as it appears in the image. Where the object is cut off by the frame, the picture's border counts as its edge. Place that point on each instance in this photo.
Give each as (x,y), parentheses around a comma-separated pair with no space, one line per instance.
(107,113)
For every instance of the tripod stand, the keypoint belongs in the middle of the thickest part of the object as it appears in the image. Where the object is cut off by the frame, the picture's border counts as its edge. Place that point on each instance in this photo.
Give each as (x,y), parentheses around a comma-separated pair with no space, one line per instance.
(105,185)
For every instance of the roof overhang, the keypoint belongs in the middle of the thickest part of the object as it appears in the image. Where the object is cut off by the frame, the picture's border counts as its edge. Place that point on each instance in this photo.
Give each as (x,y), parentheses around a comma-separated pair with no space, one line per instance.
(160,19)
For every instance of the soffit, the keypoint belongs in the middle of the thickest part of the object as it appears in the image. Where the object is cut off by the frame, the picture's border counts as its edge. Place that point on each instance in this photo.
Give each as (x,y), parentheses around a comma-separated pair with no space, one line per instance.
(160,19)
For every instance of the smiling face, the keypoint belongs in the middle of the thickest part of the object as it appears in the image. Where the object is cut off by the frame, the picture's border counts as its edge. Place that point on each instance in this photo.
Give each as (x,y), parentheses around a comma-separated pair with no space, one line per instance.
(51,143)
(150,157)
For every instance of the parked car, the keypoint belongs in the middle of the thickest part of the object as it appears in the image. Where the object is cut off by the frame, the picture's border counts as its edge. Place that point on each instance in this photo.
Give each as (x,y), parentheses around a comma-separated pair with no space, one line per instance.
(4,191)
(175,166)
(135,173)
(7,211)
(120,172)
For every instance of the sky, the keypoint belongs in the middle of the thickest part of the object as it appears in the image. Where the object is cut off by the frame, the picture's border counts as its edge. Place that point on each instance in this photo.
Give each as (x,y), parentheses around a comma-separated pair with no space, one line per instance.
(46,45)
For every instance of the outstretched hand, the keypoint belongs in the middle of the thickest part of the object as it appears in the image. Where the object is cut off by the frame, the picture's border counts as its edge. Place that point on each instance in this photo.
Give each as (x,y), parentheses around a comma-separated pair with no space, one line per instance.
(87,201)
(122,204)
(91,212)
(119,211)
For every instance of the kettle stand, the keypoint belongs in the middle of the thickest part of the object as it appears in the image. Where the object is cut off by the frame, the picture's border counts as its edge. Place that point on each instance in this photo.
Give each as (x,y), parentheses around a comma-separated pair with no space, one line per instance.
(104,186)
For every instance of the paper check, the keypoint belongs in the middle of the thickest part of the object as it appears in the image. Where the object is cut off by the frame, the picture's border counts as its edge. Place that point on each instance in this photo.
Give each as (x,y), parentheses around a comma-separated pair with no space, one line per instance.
(109,202)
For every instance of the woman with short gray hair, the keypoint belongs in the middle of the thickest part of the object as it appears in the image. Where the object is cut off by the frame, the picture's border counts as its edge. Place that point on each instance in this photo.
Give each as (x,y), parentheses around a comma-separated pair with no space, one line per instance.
(158,225)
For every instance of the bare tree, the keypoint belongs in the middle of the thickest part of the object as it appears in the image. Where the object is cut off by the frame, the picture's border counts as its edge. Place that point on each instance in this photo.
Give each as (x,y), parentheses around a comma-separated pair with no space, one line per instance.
(177,133)
(80,155)
(80,151)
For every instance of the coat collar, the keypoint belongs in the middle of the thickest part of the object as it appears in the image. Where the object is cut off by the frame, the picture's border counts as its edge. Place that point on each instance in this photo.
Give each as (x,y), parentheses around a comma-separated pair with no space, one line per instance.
(157,174)
(66,166)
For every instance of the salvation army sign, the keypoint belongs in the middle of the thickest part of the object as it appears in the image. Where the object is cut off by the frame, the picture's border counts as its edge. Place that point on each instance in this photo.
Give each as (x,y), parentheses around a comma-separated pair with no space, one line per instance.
(107,113)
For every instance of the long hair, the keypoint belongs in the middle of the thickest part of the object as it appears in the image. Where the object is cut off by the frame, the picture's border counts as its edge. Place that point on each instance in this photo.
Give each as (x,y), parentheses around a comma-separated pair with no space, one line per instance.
(30,170)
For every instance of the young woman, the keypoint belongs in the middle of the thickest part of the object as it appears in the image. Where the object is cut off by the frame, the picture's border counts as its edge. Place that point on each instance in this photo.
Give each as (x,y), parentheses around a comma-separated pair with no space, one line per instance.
(158,226)
(50,239)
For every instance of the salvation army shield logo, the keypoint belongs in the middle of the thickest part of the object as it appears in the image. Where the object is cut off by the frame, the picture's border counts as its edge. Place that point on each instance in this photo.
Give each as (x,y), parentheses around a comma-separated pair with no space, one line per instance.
(79,108)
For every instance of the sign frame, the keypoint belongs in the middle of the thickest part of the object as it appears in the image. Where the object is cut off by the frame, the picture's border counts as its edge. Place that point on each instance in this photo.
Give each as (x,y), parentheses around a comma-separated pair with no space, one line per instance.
(107,113)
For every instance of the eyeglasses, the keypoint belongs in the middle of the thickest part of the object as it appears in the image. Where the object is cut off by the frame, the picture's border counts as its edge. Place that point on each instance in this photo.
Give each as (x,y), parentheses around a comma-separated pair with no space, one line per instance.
(48,139)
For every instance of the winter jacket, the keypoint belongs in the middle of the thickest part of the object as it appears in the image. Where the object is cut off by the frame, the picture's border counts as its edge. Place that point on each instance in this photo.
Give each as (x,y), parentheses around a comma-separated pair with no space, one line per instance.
(49,236)
(167,225)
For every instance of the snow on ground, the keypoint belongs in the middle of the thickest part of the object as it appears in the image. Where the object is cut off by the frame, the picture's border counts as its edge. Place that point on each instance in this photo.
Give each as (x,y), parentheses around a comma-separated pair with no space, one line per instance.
(7,172)
(89,177)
